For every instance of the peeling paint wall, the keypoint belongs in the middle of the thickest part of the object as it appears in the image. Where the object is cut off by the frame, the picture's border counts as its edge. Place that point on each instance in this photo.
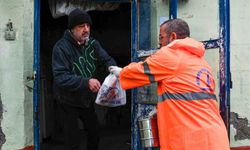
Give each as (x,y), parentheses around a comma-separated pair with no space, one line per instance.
(240,70)
(16,60)
(241,127)
(2,136)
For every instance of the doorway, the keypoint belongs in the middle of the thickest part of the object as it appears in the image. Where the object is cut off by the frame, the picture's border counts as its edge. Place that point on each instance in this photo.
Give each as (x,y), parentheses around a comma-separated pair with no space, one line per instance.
(113,30)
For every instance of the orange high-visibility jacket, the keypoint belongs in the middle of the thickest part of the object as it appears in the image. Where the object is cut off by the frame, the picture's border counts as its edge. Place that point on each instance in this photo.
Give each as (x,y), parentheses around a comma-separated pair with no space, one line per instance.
(188,113)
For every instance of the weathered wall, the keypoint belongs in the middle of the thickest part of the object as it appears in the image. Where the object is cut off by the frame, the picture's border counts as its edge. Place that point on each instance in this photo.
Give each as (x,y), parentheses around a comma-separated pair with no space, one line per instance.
(240,54)
(16,60)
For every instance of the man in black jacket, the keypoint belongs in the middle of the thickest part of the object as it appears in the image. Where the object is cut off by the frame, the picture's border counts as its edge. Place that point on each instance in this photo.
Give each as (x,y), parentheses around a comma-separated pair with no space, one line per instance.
(76,62)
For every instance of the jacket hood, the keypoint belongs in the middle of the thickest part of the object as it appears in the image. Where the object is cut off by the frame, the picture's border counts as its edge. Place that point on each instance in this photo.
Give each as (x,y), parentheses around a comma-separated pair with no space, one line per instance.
(190,45)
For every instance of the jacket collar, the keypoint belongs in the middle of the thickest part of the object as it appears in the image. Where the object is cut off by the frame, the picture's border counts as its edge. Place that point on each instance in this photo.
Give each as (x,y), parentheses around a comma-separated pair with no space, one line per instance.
(68,35)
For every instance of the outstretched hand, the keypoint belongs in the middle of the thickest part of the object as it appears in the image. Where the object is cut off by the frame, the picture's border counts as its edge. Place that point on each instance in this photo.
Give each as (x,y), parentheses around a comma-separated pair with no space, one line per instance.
(115,70)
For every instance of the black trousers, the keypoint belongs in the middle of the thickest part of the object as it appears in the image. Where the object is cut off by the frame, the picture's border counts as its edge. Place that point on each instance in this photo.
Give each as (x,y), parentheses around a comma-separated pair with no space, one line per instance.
(69,117)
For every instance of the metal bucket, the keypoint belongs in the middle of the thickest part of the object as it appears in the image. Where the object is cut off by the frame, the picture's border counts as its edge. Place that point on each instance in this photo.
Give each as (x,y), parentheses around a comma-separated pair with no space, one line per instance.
(148,132)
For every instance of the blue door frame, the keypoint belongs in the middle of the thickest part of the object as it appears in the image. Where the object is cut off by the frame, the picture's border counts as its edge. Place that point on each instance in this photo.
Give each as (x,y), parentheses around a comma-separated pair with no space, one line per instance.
(223,43)
(36,67)
(225,73)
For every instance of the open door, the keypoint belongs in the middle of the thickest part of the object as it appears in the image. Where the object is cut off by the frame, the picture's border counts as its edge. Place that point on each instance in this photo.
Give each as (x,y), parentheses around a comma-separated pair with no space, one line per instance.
(112,28)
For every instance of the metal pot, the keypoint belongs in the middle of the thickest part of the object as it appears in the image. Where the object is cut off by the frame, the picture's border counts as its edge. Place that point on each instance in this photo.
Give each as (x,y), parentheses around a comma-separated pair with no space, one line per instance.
(148,132)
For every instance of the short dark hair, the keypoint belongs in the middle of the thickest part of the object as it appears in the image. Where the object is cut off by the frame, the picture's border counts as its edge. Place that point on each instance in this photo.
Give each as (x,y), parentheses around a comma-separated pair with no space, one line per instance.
(179,26)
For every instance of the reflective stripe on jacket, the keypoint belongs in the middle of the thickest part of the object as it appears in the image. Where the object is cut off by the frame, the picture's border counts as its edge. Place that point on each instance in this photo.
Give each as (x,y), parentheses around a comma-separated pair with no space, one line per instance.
(188,113)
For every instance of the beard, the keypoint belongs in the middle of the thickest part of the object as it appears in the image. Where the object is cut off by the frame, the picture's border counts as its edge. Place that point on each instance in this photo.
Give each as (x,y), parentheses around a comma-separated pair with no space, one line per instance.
(83,39)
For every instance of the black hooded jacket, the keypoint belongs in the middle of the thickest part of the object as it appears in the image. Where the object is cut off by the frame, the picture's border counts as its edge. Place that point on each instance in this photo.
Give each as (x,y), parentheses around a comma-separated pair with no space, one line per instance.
(73,65)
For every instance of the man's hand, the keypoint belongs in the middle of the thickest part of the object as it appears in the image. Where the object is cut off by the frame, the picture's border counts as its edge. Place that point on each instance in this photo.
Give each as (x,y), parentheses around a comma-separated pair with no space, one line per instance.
(94,85)
(115,70)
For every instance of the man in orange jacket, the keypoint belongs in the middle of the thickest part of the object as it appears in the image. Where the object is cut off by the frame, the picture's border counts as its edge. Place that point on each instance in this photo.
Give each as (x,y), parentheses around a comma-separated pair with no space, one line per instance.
(188,113)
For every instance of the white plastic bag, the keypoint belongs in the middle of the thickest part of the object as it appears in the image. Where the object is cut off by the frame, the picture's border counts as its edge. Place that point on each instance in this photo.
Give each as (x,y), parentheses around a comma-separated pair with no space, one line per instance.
(111,94)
